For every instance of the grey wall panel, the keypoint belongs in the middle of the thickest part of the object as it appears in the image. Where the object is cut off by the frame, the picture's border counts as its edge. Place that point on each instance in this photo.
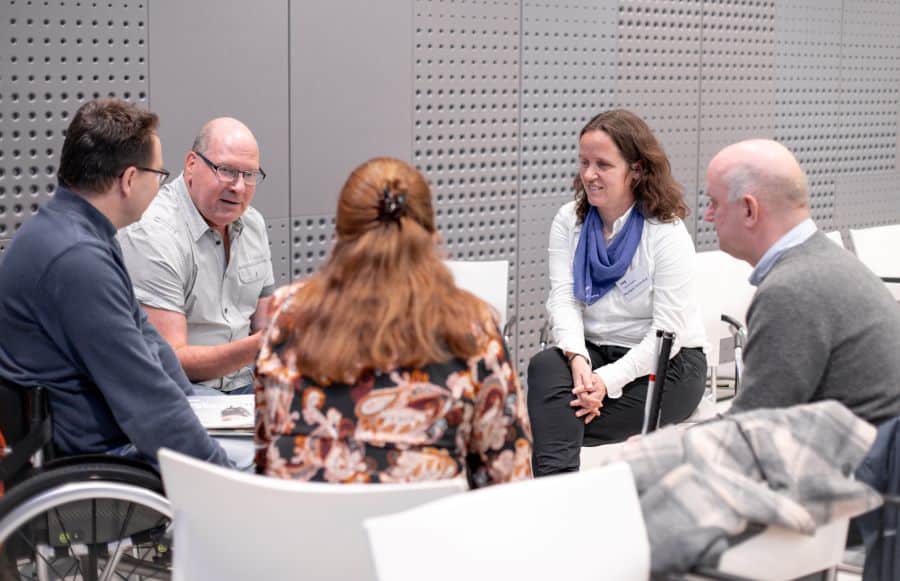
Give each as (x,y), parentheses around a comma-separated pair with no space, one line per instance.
(211,58)
(659,79)
(808,93)
(279,230)
(351,93)
(568,76)
(311,238)
(535,218)
(866,199)
(466,123)
(870,79)
(52,60)
(737,83)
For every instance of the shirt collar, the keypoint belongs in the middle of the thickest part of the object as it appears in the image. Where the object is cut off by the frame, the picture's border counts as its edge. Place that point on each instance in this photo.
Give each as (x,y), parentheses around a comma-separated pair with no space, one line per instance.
(620,223)
(196,224)
(794,237)
(66,198)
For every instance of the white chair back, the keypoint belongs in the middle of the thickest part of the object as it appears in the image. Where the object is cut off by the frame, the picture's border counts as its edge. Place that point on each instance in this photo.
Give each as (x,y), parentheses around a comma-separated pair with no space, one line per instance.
(232,525)
(572,526)
(835,236)
(487,280)
(877,248)
(723,287)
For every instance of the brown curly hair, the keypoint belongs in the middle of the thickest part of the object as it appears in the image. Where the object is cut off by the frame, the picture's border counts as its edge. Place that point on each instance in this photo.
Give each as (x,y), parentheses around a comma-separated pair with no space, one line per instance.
(657,192)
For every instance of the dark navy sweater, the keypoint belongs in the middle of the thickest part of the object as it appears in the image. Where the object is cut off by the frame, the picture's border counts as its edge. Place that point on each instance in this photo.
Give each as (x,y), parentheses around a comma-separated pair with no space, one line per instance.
(69,321)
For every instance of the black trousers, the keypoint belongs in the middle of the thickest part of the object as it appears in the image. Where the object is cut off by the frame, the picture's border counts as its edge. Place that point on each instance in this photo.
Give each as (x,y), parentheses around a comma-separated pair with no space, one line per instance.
(559,435)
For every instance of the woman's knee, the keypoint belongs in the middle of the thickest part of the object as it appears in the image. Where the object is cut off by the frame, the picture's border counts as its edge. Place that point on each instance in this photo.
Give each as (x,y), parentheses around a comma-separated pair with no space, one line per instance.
(545,365)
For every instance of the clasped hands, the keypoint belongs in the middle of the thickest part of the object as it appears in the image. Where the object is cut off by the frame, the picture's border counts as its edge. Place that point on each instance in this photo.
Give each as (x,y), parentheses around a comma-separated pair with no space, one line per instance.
(589,390)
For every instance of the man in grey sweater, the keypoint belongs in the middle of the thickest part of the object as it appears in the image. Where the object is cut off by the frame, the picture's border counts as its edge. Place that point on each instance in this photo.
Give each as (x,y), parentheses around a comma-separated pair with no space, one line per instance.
(821,325)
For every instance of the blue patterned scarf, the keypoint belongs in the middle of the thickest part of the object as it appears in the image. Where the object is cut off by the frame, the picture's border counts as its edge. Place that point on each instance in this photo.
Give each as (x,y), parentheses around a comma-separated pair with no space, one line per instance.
(596,267)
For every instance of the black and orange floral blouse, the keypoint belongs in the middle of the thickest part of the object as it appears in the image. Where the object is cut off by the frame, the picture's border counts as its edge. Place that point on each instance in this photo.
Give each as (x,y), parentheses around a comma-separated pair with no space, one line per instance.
(403,425)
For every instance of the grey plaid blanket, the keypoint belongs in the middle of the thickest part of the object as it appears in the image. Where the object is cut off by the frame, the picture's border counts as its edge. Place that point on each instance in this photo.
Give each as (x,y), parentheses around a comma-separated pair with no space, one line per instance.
(701,487)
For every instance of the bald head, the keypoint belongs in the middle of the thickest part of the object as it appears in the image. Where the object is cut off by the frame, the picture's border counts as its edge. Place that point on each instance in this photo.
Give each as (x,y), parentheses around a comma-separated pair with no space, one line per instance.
(765,169)
(223,128)
(757,193)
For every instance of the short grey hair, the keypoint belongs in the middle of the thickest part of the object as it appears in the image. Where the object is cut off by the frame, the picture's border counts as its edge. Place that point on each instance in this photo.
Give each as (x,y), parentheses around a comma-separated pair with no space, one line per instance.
(745,178)
(201,142)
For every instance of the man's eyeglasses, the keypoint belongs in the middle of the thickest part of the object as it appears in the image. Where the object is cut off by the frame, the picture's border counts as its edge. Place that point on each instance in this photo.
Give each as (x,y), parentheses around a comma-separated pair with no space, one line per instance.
(161,174)
(230,174)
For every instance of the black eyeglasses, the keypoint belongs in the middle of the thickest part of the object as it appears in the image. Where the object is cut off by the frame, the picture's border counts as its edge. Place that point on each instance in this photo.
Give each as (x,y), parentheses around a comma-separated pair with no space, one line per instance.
(230,174)
(162,175)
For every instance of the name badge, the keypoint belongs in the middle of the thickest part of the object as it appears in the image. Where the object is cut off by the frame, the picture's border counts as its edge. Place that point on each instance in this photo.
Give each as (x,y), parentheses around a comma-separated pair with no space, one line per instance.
(634,283)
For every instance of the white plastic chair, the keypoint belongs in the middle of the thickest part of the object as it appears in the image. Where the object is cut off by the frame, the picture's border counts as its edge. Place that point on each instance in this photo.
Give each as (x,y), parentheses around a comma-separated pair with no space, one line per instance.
(877,248)
(572,526)
(835,236)
(776,554)
(487,280)
(723,287)
(232,525)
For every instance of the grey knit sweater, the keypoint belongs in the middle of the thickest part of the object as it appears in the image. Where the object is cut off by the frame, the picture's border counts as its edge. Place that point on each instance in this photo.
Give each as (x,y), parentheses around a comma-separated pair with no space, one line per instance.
(822,326)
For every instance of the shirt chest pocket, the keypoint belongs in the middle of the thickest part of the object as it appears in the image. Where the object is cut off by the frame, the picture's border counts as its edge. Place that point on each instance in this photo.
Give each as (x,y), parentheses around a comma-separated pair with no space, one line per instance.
(250,273)
(251,277)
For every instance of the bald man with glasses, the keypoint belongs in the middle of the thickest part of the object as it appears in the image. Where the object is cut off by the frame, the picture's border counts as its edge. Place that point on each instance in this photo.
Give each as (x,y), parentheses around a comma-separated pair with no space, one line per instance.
(201,263)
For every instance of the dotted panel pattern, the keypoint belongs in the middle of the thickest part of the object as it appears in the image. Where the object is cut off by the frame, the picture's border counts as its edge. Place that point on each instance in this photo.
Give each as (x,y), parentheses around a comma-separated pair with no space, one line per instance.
(659,79)
(864,200)
(279,232)
(4,242)
(869,72)
(52,60)
(866,161)
(737,83)
(808,93)
(311,238)
(568,76)
(535,218)
(466,123)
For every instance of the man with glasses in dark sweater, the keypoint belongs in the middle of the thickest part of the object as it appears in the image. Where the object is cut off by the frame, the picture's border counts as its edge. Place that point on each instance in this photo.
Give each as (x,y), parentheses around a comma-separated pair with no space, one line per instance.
(821,325)
(68,313)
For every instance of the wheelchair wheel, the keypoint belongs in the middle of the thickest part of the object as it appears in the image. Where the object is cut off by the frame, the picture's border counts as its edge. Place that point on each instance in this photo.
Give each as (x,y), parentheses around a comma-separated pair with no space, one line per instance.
(93,521)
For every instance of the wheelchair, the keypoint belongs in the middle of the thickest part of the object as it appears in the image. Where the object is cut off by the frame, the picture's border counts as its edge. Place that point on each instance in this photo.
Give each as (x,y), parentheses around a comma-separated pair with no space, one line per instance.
(91,517)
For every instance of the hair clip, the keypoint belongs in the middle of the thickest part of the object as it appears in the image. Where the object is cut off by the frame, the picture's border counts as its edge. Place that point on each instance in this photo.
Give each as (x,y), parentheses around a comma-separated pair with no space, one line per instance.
(392,206)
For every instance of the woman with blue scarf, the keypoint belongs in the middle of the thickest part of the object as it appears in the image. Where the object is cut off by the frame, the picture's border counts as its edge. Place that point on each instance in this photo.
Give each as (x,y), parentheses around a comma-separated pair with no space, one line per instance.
(621,267)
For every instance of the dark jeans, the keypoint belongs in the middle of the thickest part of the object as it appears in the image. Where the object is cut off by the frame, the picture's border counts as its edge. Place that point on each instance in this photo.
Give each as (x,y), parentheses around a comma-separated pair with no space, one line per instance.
(559,435)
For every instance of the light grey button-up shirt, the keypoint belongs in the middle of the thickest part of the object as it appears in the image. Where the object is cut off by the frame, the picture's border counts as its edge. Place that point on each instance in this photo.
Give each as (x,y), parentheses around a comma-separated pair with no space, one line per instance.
(177,263)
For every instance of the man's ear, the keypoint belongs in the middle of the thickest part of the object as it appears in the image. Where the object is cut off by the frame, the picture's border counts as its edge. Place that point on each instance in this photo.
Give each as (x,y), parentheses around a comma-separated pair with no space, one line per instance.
(750,207)
(190,162)
(126,180)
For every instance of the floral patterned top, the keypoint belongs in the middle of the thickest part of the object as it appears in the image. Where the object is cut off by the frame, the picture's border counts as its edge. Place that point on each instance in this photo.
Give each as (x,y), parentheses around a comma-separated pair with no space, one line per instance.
(403,425)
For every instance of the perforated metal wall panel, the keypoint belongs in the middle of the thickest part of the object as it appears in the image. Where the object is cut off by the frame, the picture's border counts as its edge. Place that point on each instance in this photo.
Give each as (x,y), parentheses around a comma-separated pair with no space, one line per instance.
(279,231)
(311,238)
(737,83)
(53,58)
(808,93)
(867,187)
(568,76)
(659,79)
(867,199)
(466,123)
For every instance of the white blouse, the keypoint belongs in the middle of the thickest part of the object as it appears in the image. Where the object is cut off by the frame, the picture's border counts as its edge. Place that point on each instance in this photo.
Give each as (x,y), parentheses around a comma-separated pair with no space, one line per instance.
(665,254)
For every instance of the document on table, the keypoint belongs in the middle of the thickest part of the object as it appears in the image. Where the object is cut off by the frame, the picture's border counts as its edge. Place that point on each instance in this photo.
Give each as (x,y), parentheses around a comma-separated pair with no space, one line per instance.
(224,411)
